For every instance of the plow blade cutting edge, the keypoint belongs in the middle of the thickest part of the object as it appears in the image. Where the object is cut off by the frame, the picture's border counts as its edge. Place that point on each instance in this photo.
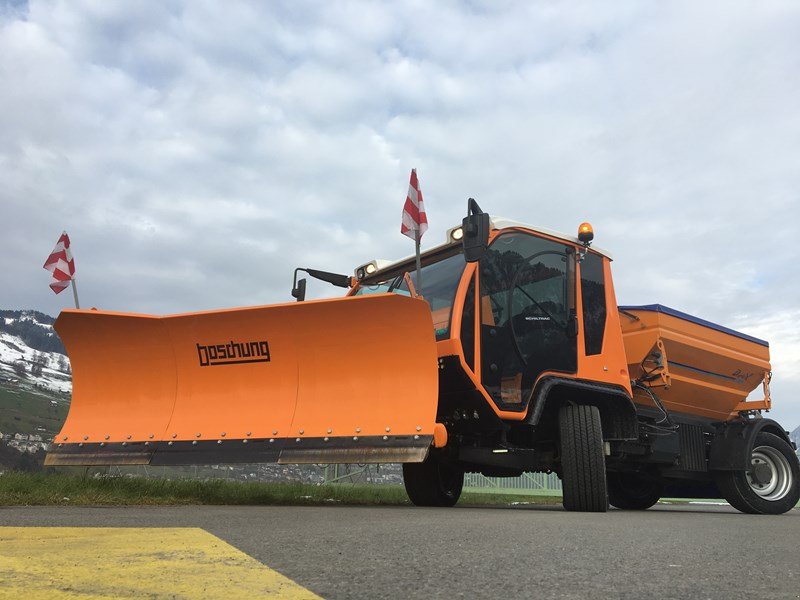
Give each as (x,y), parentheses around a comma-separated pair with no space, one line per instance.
(329,381)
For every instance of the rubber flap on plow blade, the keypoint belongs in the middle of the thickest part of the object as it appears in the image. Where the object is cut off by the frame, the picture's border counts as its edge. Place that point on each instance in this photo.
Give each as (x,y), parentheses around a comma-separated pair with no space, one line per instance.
(345,380)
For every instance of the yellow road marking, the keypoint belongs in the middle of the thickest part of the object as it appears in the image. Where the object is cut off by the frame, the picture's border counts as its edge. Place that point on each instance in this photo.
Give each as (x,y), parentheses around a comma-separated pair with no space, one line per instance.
(111,562)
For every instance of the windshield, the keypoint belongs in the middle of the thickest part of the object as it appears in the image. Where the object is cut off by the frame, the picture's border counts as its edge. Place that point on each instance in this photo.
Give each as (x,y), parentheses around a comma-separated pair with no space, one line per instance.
(439,282)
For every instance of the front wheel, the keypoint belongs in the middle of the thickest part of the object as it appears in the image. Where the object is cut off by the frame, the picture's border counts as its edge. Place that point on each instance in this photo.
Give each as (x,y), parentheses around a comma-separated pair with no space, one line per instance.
(583,462)
(772,484)
(432,482)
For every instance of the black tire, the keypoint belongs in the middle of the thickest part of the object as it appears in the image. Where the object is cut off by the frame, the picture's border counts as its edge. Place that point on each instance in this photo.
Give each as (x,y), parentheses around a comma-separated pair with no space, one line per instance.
(632,491)
(776,497)
(432,483)
(583,463)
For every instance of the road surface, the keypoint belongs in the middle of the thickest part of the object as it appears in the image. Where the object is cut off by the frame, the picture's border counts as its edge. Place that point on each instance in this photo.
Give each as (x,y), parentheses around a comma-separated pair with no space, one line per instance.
(337,552)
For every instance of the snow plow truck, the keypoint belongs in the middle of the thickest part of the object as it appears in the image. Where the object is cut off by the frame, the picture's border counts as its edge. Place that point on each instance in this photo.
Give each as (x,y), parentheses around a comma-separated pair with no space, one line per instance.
(513,356)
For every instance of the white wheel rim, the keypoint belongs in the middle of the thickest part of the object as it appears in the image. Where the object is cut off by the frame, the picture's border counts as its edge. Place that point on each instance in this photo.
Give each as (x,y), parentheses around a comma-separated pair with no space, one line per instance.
(780,482)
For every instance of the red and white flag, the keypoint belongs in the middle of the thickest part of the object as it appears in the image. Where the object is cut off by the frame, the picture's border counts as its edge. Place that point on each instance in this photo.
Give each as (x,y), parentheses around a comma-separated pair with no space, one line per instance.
(414,217)
(60,264)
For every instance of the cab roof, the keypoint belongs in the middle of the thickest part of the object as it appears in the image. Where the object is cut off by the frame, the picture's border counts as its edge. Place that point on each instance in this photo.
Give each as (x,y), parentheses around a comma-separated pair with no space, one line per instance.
(496,223)
(503,223)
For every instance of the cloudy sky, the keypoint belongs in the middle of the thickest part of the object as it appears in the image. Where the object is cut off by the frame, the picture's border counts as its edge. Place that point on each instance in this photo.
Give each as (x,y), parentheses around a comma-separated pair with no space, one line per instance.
(198,151)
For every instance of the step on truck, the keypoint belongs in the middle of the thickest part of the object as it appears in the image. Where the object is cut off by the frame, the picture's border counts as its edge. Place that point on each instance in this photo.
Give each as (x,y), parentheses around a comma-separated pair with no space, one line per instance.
(512,356)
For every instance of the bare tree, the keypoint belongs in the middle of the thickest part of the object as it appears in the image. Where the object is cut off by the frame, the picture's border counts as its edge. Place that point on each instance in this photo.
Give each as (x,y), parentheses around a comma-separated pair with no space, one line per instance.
(37,363)
(19,368)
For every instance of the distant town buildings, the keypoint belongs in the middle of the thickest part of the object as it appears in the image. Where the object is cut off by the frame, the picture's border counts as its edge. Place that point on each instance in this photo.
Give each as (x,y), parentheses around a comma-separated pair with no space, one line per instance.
(25,442)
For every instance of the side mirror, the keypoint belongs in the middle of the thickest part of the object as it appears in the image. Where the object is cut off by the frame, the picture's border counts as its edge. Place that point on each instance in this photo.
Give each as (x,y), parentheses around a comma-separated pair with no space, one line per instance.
(299,290)
(476,232)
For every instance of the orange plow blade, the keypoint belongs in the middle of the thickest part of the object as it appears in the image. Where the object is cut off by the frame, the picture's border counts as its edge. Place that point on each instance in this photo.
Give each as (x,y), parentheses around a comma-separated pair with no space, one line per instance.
(345,380)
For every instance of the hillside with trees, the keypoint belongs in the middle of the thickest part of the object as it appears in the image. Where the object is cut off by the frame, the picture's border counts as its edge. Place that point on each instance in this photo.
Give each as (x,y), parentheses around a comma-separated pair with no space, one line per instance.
(32,327)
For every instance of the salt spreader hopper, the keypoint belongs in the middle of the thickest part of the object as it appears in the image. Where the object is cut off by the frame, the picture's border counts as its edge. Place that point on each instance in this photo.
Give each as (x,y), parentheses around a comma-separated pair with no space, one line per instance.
(513,357)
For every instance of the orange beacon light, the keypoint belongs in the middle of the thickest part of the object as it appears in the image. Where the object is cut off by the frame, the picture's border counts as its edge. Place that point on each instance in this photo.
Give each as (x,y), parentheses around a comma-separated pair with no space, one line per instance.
(585,233)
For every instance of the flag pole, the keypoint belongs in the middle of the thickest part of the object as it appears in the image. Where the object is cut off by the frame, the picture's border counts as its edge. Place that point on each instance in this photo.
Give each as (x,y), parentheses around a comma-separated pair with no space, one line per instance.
(75,293)
(419,262)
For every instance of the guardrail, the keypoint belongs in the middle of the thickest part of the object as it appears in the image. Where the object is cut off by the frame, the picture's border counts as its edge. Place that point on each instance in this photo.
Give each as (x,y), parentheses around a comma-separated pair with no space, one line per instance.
(527,483)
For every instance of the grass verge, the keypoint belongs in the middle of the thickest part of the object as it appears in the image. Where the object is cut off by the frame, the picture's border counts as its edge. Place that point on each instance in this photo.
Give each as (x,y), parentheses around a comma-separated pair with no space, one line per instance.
(20,489)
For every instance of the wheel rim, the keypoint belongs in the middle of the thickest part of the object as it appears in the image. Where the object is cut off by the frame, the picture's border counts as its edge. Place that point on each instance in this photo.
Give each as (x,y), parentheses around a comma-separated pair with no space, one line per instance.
(781,474)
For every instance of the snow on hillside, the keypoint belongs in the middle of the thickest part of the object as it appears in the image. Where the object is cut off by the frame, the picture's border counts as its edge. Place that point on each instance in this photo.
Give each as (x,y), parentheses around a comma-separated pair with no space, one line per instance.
(43,369)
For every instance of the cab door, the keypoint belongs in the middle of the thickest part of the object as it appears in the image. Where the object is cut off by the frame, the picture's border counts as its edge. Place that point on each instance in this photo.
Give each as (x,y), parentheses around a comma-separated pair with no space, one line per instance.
(528,318)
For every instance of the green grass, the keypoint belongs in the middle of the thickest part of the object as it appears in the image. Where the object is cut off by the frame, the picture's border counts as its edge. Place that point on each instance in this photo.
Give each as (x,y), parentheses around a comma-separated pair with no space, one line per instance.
(23,410)
(521,492)
(58,489)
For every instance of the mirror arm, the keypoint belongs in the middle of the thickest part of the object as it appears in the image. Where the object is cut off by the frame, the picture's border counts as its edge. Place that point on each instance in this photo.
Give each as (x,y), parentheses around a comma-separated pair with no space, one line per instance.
(343,281)
(473,208)
(299,287)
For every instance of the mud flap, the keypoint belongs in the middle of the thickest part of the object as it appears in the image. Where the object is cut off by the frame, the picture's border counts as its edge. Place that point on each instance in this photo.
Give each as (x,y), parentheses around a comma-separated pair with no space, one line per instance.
(344,380)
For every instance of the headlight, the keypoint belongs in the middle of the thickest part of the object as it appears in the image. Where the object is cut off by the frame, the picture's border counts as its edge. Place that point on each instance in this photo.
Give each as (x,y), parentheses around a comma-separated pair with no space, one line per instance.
(456,234)
(371,268)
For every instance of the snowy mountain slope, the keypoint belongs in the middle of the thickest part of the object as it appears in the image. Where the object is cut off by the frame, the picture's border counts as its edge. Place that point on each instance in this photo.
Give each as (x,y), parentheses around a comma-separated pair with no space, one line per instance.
(35,329)
(48,370)
(795,436)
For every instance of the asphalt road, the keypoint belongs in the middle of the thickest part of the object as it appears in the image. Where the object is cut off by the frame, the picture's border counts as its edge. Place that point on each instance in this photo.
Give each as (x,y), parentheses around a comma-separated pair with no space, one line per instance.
(510,552)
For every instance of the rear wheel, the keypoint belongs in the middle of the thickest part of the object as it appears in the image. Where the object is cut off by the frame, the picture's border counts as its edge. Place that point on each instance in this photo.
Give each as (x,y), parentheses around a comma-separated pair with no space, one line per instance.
(432,483)
(772,484)
(632,491)
(583,464)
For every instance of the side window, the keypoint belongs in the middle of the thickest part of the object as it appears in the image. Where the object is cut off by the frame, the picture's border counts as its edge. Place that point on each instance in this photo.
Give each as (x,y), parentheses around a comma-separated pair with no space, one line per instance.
(593,290)
(468,326)
(439,283)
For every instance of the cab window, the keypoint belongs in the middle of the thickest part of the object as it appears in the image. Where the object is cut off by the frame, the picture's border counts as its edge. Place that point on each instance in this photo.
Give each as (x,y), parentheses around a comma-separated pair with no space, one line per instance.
(440,279)
(593,293)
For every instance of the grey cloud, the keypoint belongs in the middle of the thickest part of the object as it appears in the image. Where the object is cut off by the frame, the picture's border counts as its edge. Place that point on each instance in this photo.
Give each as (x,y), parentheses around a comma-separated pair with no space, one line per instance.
(198,152)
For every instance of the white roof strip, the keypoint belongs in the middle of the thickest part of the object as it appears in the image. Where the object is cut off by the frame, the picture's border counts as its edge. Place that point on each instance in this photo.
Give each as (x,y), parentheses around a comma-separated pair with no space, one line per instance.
(498,223)
(503,223)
